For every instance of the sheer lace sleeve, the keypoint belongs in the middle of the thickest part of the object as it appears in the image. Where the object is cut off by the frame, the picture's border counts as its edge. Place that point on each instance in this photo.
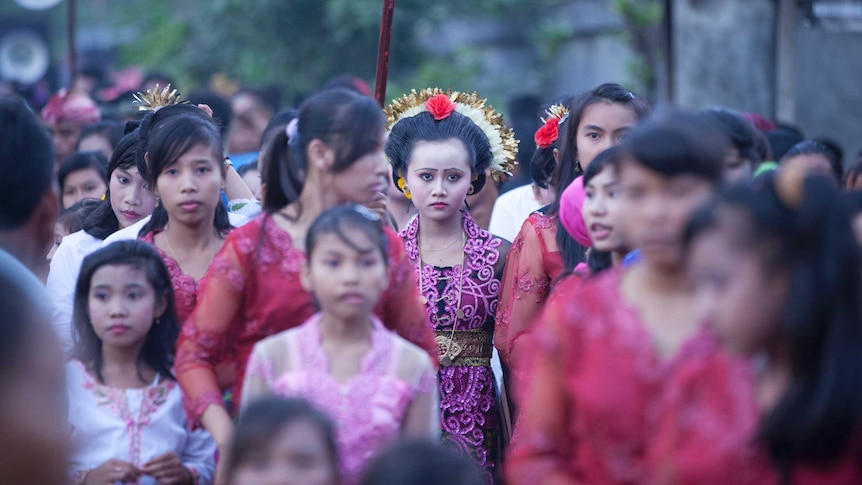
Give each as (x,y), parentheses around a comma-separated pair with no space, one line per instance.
(541,444)
(204,343)
(402,310)
(524,287)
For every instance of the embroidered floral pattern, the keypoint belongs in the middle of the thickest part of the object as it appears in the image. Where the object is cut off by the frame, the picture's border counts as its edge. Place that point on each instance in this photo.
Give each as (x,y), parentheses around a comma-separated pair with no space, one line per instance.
(468,404)
(117,402)
(185,287)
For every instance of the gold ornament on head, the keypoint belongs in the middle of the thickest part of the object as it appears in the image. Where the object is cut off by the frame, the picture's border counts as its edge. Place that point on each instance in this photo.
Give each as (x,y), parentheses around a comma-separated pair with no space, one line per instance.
(557,111)
(153,99)
(504,146)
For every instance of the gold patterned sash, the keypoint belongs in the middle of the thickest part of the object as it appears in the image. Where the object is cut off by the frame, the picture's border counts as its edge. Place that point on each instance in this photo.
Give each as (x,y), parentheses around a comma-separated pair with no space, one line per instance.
(464,348)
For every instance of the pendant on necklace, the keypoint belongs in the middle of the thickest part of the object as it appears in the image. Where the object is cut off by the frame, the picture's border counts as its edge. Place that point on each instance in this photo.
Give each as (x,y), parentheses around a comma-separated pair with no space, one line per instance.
(424,300)
(459,314)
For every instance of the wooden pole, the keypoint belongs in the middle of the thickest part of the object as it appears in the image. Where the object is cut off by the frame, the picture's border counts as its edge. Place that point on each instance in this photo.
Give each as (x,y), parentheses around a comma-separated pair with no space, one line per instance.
(383,51)
(70,29)
(785,62)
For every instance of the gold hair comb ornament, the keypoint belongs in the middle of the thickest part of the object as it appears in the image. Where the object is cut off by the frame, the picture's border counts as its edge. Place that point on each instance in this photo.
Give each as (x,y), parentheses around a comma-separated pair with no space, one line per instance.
(504,146)
(153,99)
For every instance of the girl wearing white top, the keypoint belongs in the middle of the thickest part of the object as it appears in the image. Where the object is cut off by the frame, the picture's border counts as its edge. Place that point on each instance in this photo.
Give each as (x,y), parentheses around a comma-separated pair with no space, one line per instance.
(125,408)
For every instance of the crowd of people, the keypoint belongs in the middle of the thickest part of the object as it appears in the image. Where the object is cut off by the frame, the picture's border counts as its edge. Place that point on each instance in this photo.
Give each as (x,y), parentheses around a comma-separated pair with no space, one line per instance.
(347,294)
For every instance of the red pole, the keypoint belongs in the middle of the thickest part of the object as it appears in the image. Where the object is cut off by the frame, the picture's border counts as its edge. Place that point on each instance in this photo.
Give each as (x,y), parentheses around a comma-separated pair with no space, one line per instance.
(383,51)
(73,57)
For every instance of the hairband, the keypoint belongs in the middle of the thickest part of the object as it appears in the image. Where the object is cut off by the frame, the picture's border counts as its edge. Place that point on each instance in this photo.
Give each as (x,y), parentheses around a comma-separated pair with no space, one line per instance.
(292,131)
(441,104)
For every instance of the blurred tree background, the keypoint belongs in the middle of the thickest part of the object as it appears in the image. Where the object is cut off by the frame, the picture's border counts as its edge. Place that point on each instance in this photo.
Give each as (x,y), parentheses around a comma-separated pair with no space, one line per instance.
(298,44)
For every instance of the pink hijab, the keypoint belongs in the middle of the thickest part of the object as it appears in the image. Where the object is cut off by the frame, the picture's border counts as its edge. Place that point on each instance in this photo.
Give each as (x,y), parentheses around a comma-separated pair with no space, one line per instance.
(571,216)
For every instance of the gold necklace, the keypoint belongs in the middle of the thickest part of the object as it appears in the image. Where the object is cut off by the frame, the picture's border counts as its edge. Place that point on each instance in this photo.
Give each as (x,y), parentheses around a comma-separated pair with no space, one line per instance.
(451,348)
(441,249)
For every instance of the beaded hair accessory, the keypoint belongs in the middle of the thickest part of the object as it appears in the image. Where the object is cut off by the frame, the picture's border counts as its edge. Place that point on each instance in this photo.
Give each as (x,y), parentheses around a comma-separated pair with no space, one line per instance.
(153,99)
(549,132)
(440,104)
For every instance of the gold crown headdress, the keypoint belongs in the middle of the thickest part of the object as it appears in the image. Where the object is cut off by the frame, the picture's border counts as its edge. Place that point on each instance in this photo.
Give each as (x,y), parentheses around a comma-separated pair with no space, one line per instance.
(153,99)
(504,146)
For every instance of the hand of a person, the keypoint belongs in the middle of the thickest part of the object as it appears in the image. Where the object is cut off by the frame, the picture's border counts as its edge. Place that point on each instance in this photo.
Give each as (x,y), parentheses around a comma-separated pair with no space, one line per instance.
(206,109)
(113,471)
(167,469)
(379,204)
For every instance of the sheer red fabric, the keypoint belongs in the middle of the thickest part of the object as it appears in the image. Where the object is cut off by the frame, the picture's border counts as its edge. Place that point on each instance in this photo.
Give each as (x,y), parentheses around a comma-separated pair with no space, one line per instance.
(532,265)
(185,287)
(590,383)
(706,430)
(252,290)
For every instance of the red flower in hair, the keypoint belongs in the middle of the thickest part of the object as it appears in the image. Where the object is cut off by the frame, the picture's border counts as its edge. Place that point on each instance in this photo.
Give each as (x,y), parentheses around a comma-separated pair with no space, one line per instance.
(548,133)
(440,106)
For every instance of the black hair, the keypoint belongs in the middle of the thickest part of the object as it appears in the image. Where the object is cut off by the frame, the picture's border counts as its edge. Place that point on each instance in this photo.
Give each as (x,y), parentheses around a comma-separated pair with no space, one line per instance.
(407,132)
(110,130)
(263,419)
(675,144)
(351,124)
(165,136)
(782,138)
(158,348)
(809,147)
(267,96)
(248,167)
(73,217)
(568,169)
(821,411)
(102,222)
(738,131)
(83,161)
(543,165)
(278,121)
(421,462)
(347,82)
(26,161)
(163,78)
(853,202)
(761,144)
(350,216)
(222,112)
(836,153)
(599,261)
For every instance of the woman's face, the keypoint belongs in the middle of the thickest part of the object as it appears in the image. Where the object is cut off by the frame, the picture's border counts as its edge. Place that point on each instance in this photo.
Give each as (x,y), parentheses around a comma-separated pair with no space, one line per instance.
(60,231)
(63,136)
(131,197)
(601,211)
(363,181)
(439,177)
(82,184)
(296,455)
(190,189)
(602,125)
(655,209)
(735,292)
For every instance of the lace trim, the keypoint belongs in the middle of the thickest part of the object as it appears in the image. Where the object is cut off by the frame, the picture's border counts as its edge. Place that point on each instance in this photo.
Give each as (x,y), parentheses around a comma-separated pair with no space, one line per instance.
(195,407)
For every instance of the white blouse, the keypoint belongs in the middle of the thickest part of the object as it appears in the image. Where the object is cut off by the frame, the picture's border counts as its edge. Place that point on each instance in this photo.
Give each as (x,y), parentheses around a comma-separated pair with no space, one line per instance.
(65,267)
(133,425)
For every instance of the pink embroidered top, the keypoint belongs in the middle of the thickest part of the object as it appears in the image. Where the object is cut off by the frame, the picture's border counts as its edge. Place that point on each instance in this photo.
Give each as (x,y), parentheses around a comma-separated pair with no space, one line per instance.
(133,425)
(590,388)
(253,290)
(185,287)
(368,409)
(468,395)
(707,424)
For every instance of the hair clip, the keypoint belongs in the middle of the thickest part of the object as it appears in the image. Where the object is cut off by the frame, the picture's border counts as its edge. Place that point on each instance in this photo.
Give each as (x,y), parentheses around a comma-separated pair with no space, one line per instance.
(292,131)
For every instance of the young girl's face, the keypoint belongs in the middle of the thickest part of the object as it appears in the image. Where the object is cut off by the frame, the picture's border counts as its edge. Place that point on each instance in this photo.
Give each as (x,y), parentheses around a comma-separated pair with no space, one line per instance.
(347,281)
(602,125)
(60,231)
(364,180)
(122,305)
(190,189)
(439,177)
(131,197)
(96,143)
(296,455)
(601,210)
(82,184)
(655,209)
(737,294)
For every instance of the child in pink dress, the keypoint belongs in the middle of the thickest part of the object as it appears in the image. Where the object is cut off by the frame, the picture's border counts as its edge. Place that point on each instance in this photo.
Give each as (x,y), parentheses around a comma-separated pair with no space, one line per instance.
(375,385)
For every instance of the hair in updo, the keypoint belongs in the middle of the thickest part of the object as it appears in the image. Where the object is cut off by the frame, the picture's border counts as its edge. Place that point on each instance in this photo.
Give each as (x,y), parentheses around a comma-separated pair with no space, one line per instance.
(423,127)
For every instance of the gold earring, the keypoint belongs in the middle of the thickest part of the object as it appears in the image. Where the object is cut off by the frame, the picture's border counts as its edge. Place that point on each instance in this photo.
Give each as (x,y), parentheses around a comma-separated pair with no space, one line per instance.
(471,189)
(404,188)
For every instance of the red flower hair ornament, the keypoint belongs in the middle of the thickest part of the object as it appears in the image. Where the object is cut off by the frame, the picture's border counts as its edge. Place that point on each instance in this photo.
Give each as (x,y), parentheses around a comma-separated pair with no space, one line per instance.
(548,133)
(440,106)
